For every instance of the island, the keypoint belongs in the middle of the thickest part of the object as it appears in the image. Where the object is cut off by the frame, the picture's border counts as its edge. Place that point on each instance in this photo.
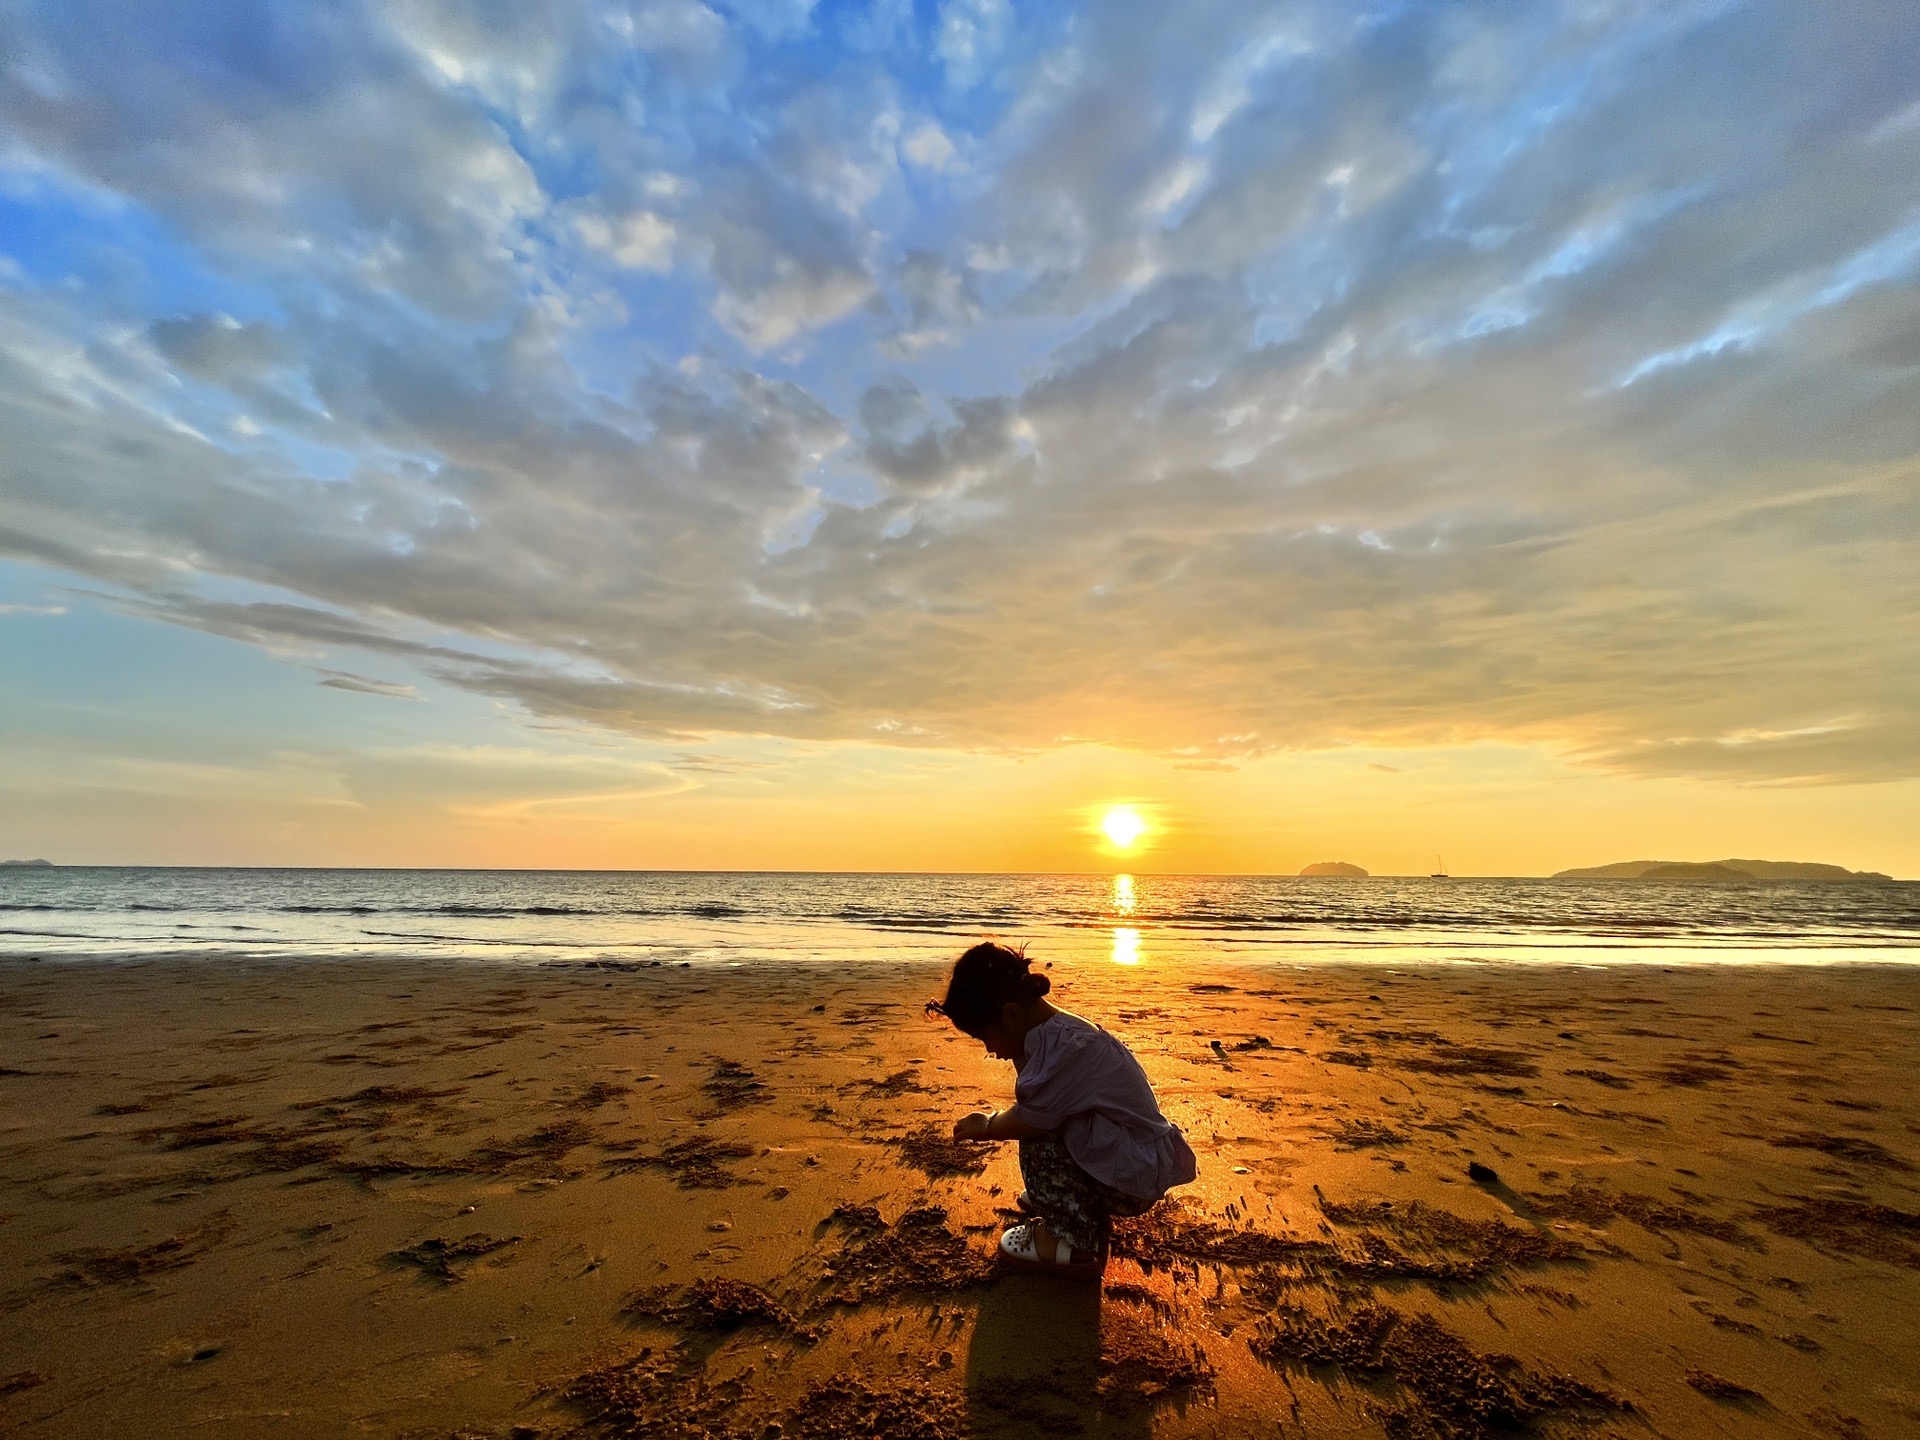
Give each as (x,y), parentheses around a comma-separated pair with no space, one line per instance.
(26,864)
(1335,867)
(1724,870)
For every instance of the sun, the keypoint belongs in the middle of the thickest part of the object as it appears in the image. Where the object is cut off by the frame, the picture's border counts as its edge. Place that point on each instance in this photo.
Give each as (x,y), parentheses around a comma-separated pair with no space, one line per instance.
(1123,826)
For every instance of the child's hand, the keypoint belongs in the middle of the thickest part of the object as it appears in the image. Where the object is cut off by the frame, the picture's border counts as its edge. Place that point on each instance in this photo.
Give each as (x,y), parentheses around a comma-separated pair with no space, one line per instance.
(972,1127)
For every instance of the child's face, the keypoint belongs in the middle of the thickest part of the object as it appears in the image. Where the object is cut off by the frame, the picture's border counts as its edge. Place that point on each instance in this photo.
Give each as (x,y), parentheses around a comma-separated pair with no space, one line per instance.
(1006,1037)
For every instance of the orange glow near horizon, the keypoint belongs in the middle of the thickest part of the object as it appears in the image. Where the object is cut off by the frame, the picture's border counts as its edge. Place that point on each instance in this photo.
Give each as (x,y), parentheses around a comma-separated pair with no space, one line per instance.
(555,800)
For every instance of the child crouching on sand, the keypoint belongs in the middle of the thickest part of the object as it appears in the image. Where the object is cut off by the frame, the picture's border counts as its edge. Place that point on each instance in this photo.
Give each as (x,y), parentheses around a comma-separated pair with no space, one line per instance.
(1093,1143)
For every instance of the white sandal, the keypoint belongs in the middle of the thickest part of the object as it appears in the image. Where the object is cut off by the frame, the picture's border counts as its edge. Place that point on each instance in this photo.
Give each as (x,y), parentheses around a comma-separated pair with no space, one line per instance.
(1020,1250)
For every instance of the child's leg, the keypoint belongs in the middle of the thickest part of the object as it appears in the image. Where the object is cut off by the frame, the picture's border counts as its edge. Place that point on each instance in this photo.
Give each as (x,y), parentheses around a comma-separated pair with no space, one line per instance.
(1071,1201)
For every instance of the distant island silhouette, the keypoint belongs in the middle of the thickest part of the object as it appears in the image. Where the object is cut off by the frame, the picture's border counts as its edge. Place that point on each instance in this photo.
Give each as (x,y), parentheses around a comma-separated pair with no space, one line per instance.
(26,864)
(1335,867)
(1725,870)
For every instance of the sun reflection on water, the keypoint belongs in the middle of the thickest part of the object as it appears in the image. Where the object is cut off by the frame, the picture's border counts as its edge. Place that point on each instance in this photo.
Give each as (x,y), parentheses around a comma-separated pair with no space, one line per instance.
(1126,945)
(1123,894)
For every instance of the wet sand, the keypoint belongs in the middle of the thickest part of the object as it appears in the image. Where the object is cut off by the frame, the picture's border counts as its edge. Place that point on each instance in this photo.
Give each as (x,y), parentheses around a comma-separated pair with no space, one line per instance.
(253,1198)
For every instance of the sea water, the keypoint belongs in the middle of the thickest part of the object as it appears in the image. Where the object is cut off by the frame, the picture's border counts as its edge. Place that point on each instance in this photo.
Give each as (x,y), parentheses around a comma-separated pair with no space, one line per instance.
(671,917)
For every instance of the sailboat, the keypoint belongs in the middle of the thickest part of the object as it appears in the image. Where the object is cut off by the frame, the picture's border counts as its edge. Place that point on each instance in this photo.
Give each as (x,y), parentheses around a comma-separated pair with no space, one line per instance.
(1439,869)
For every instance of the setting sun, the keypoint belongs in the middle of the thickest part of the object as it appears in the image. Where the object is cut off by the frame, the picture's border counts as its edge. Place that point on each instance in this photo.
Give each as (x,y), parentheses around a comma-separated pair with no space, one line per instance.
(1123,826)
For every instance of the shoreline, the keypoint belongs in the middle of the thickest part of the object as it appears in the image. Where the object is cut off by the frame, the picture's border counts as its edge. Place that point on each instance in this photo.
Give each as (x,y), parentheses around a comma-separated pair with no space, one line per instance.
(1838,955)
(238,1195)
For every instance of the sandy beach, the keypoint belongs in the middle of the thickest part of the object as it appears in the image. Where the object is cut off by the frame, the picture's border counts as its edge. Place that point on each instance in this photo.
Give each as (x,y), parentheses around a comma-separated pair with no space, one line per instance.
(260,1198)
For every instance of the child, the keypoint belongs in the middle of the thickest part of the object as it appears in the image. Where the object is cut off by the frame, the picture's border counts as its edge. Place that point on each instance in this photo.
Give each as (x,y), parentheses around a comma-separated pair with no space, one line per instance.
(1093,1143)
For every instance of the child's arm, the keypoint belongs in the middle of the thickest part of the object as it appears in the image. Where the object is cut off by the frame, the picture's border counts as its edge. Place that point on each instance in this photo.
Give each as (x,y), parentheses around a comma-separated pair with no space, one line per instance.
(1000,1125)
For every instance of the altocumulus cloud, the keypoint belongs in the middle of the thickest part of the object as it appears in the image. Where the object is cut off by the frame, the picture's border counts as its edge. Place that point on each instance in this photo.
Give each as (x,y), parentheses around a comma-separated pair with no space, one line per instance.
(1207,379)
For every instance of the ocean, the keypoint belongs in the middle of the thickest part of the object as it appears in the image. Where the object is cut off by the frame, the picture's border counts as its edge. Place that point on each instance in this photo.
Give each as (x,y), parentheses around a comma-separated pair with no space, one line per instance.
(673,917)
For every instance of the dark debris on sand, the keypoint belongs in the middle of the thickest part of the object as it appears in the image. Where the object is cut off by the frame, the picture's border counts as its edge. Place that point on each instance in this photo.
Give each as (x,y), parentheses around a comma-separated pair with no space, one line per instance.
(1854,1227)
(1691,1072)
(1718,1387)
(659,1396)
(1447,1059)
(716,1303)
(920,1252)
(889,1087)
(435,1258)
(536,1152)
(849,1408)
(937,1154)
(1140,1359)
(695,1163)
(1469,1251)
(1850,1148)
(1363,1135)
(666,1397)
(599,1093)
(136,1264)
(1592,1205)
(1450,1390)
(1408,1241)
(731,1085)
(1169,1233)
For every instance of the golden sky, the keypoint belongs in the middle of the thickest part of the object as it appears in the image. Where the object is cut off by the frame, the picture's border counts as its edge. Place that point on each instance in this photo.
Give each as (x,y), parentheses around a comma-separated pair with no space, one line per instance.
(846,436)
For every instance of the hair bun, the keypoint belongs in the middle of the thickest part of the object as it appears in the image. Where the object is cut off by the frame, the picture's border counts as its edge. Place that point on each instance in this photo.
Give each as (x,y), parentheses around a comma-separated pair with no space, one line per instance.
(1039,984)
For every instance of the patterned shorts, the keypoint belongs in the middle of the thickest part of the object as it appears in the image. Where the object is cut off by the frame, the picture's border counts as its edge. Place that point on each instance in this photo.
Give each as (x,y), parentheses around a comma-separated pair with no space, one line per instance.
(1077,1207)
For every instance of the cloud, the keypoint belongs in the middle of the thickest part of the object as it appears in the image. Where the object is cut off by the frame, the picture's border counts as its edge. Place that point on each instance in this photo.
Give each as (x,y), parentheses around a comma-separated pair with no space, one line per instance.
(1256,384)
(971,35)
(363,685)
(930,148)
(640,241)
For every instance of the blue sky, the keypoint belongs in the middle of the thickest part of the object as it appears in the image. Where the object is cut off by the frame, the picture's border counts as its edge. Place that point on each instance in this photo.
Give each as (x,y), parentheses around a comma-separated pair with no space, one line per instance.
(625,399)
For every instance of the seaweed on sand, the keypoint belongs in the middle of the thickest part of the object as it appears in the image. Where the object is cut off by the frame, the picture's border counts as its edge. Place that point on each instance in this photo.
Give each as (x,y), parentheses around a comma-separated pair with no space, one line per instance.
(1140,1360)
(1718,1387)
(890,1087)
(848,1408)
(136,1264)
(659,1396)
(694,1163)
(1450,1390)
(919,1252)
(1170,1232)
(435,1258)
(1447,1059)
(667,1397)
(716,1303)
(277,1149)
(1691,1072)
(538,1151)
(1591,1205)
(195,1134)
(1850,1148)
(1855,1227)
(599,1093)
(938,1154)
(1448,1250)
(730,1085)
(1363,1135)
(1474,1250)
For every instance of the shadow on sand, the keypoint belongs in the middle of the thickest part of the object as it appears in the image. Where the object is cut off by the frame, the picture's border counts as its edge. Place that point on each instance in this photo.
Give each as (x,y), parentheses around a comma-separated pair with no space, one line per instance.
(1033,1368)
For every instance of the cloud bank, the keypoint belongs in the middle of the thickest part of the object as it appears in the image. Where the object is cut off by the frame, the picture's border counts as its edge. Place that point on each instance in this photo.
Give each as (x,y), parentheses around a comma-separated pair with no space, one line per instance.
(1208,380)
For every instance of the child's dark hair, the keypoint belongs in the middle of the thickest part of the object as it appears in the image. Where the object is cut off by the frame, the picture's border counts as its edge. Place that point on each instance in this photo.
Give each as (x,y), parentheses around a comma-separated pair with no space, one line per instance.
(985,980)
